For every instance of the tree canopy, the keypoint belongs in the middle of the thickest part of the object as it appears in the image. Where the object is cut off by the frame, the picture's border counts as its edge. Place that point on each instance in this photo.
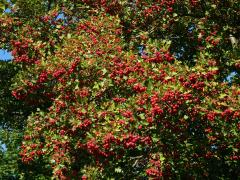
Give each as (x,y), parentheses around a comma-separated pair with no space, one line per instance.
(121,89)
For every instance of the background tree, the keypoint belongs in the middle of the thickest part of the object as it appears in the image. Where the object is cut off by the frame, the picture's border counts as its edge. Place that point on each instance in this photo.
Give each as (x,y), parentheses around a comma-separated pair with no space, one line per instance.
(102,108)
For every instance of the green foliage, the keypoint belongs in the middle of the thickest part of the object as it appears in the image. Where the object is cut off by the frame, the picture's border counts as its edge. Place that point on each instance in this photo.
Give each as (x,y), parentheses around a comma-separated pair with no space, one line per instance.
(30,9)
(101,109)
(11,110)
(9,153)
(3,5)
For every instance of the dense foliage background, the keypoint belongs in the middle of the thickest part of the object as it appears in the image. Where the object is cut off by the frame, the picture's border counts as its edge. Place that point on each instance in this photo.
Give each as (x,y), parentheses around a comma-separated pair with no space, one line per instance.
(120,89)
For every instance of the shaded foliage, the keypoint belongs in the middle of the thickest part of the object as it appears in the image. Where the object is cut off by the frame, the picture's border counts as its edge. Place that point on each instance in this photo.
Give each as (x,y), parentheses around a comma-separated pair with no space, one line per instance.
(120,89)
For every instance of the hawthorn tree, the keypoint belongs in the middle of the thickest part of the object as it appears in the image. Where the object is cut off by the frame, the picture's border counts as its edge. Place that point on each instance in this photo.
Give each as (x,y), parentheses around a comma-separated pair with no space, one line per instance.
(127,89)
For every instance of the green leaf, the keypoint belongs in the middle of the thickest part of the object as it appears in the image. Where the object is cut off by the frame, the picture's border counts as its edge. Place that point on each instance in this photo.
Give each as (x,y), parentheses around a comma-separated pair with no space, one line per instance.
(104,71)
(69,36)
(118,170)
(162,158)
(2,7)
(96,86)
(142,116)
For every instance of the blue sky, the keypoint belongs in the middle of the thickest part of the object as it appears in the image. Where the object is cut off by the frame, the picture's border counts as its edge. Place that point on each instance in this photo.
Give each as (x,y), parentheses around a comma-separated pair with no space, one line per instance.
(5,55)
